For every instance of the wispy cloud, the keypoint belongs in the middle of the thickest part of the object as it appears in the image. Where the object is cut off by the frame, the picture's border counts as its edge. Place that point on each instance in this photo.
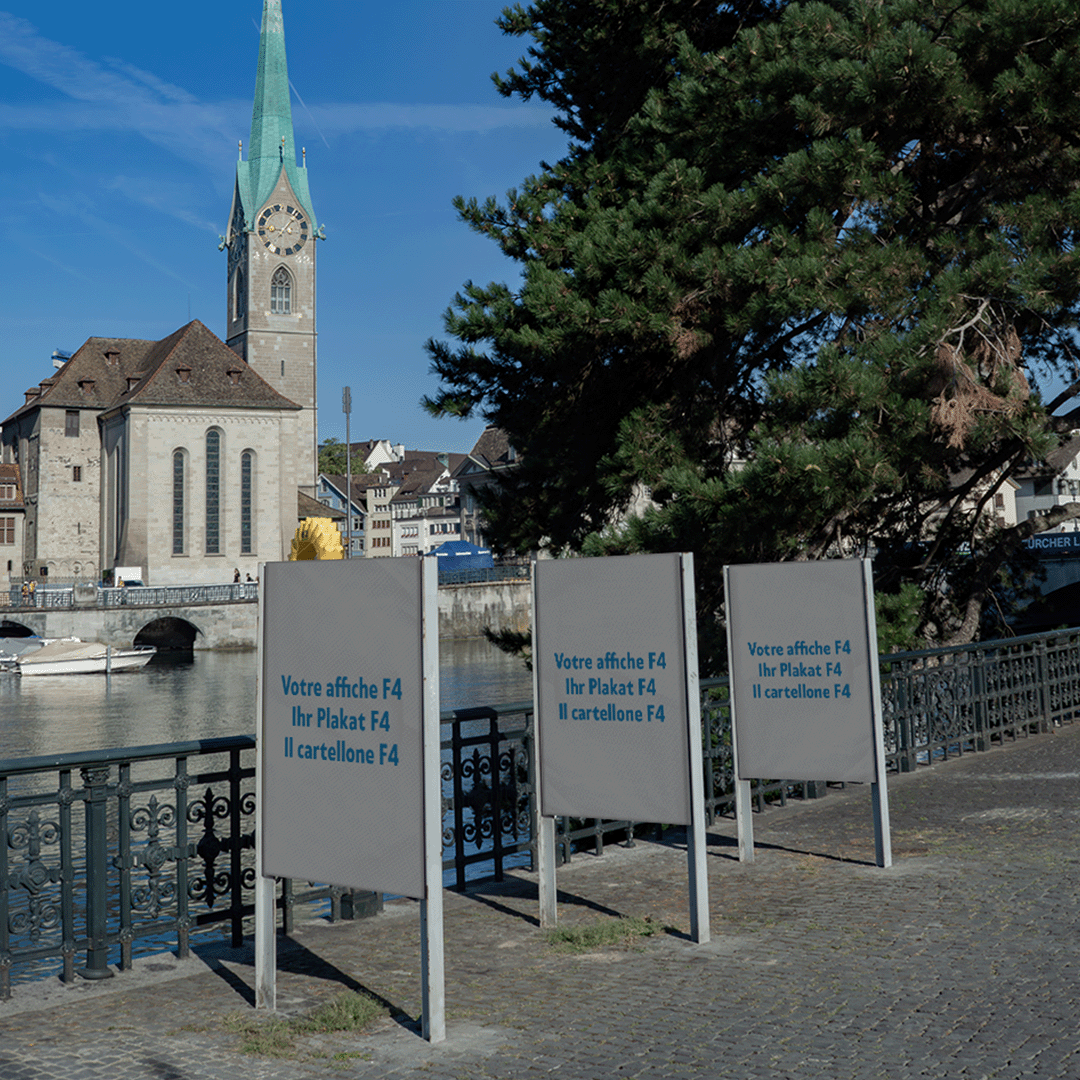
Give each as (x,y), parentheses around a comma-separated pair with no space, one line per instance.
(69,71)
(165,197)
(115,95)
(52,261)
(79,210)
(457,119)
(111,96)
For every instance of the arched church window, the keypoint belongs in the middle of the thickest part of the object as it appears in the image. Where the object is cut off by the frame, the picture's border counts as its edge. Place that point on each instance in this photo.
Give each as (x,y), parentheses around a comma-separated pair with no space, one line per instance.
(178,502)
(213,492)
(281,292)
(240,299)
(247,473)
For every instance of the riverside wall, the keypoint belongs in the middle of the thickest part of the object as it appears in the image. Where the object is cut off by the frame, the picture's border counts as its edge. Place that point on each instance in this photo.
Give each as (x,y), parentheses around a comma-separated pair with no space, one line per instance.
(464,611)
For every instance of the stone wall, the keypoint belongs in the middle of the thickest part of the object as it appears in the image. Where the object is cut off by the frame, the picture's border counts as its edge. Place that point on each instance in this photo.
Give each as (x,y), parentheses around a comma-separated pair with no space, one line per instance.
(464,611)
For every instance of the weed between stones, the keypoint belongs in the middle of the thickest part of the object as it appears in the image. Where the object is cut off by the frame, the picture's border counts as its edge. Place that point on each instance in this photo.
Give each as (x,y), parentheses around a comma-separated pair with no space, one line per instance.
(348,1011)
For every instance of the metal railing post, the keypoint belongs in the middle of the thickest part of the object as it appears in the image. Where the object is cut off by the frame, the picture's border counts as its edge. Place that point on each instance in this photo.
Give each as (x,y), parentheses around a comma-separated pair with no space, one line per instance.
(96,781)
(5,952)
(982,741)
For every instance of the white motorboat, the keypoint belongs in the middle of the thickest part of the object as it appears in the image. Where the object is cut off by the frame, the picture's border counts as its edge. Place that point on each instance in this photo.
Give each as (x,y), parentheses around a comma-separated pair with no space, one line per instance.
(82,658)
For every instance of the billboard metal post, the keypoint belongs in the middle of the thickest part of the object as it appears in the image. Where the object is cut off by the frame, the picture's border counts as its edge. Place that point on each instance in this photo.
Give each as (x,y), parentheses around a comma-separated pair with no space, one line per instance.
(879,789)
(432,960)
(545,826)
(744,806)
(265,922)
(695,831)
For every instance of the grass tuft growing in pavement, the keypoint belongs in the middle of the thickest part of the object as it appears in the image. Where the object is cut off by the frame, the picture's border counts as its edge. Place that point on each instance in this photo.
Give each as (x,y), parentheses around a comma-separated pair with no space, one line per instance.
(348,1011)
(598,935)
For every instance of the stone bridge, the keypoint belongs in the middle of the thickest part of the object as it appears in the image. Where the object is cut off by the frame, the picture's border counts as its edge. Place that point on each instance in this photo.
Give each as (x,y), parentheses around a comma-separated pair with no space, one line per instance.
(226,616)
(224,625)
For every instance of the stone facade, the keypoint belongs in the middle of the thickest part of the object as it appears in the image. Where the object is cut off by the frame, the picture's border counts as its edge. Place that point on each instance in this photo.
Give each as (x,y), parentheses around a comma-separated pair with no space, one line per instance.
(279,346)
(116,465)
(12,520)
(58,450)
(183,456)
(270,311)
(178,552)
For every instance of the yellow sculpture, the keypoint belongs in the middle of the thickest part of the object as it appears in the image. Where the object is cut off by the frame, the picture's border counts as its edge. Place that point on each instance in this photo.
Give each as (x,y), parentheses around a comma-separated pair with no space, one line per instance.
(316,538)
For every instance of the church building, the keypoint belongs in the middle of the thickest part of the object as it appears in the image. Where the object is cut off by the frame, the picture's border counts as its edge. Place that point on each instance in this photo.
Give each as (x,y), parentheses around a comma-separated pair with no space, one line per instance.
(184,457)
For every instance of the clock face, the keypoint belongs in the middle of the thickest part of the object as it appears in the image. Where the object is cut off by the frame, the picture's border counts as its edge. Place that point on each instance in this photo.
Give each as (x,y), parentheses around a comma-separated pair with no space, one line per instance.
(283,229)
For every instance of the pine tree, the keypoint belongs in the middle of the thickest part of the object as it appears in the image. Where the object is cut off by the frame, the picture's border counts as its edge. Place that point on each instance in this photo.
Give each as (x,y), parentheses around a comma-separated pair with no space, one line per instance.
(806,274)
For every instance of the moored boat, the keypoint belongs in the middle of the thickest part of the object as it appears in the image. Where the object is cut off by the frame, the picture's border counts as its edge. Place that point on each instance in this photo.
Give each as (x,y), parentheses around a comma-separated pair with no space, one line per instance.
(82,658)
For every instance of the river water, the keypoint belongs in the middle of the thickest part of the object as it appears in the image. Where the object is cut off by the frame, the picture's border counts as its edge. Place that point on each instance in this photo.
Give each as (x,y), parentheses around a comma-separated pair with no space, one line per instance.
(203,696)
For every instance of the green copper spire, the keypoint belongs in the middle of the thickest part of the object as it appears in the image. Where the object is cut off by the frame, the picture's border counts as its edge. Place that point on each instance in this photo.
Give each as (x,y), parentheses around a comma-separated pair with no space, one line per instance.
(272,147)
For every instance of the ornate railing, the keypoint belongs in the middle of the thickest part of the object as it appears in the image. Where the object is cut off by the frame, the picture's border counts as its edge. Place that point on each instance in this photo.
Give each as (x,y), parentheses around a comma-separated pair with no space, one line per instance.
(173,595)
(945,702)
(161,848)
(116,852)
(67,596)
(513,572)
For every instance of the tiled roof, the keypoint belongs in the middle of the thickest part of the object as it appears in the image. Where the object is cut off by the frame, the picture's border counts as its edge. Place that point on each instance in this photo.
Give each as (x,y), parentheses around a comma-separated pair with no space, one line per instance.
(1056,462)
(307,507)
(191,367)
(492,448)
(360,483)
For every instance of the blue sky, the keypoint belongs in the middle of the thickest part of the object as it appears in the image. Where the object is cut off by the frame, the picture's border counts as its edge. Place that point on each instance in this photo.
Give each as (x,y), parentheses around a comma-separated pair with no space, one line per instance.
(119,125)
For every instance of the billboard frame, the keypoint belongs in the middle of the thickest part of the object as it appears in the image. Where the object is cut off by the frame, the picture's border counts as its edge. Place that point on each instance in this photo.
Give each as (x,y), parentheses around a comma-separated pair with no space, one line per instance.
(867,626)
(433,1018)
(690,692)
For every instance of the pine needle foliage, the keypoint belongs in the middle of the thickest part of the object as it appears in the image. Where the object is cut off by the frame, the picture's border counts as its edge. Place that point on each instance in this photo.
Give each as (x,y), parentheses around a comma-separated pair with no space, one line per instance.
(806,273)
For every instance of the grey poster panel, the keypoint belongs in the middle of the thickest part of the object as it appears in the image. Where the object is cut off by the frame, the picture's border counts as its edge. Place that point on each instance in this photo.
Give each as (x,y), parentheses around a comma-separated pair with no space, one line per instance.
(342,724)
(800,671)
(611,678)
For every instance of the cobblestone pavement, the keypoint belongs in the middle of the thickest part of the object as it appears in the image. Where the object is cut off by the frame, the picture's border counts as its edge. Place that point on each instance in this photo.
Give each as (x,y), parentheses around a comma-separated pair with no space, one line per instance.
(957,962)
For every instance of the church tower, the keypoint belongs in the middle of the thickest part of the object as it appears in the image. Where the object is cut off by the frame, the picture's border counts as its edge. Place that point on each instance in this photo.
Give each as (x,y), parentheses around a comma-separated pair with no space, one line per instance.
(271,243)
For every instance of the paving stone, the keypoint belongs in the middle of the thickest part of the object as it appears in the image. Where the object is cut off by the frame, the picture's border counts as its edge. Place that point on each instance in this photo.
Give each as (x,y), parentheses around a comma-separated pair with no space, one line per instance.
(956,961)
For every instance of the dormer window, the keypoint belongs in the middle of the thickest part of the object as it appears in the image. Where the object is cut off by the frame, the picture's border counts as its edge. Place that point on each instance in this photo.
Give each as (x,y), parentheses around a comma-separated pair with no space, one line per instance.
(234,376)
(112,357)
(183,373)
(86,386)
(133,381)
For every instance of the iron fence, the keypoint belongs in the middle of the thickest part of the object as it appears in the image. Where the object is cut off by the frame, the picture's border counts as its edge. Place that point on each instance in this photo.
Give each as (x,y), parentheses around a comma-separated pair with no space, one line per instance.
(164,844)
(170,595)
(514,572)
(67,596)
(942,703)
(71,594)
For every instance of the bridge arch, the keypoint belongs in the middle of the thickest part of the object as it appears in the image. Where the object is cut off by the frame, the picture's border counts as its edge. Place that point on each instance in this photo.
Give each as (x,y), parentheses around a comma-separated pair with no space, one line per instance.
(11,628)
(169,632)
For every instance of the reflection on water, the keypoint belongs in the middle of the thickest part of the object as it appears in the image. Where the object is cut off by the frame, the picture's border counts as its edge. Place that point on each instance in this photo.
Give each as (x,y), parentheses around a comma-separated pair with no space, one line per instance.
(473,672)
(204,696)
(199,697)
